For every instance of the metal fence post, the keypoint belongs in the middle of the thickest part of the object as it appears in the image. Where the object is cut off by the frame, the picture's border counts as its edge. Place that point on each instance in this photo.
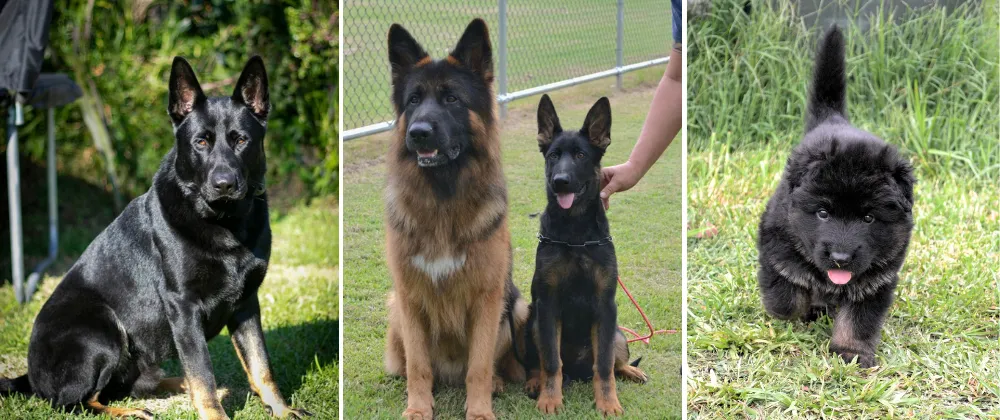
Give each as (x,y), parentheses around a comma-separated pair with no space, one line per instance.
(620,45)
(502,40)
(15,119)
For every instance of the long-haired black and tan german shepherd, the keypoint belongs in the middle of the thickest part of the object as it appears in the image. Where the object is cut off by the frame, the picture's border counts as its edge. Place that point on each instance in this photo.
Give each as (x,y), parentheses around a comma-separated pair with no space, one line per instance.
(448,244)
(573,323)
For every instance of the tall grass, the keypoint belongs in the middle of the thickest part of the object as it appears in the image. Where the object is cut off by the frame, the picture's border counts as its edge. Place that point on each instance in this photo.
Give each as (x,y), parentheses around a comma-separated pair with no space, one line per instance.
(924,79)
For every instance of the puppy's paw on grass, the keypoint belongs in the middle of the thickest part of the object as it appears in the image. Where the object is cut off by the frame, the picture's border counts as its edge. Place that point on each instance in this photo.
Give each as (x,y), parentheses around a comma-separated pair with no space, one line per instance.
(609,407)
(549,403)
(632,373)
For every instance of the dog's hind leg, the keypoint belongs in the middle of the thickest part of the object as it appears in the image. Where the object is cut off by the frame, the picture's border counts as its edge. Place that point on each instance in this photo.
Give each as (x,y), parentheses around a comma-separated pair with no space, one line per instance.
(77,353)
(96,407)
(511,346)
(624,369)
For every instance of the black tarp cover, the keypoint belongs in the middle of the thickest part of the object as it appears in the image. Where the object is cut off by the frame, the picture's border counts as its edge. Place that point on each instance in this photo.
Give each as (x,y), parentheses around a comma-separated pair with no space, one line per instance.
(24,33)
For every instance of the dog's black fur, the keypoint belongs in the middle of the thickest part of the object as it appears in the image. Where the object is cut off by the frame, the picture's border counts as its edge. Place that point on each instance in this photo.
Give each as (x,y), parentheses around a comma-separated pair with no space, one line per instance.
(573,290)
(181,262)
(842,211)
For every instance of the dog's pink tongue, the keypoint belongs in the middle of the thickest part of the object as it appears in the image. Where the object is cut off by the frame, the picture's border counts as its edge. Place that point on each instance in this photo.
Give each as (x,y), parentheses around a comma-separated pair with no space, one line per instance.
(839,276)
(565,200)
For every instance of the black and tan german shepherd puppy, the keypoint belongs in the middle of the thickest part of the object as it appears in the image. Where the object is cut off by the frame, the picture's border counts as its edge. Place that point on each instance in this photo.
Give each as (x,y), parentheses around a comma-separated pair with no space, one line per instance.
(573,321)
(181,262)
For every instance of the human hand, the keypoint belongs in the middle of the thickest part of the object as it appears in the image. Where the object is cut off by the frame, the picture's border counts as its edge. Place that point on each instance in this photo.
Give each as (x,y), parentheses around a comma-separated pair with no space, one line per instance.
(618,178)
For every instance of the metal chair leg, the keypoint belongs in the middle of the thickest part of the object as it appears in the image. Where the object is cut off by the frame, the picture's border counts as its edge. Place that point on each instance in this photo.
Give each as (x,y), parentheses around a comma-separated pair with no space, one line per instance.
(14,202)
(36,276)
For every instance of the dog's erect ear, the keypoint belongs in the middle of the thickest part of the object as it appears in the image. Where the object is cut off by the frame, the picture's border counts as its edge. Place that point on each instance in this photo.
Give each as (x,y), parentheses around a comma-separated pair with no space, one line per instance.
(474,50)
(404,52)
(902,173)
(597,125)
(548,123)
(185,92)
(251,90)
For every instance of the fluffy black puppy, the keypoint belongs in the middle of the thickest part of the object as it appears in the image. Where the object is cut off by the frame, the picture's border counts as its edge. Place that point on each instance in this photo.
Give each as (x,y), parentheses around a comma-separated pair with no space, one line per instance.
(181,262)
(835,233)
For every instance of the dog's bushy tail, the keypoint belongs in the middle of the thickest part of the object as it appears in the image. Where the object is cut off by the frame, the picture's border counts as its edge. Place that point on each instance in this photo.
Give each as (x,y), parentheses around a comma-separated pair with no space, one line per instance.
(829,84)
(18,385)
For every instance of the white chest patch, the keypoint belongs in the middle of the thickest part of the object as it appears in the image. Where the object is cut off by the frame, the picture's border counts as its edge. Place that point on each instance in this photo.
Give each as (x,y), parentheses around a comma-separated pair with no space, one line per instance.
(440,268)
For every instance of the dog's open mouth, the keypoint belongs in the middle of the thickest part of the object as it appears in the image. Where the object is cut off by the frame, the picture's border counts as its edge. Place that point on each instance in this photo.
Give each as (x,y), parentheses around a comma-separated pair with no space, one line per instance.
(566,200)
(430,158)
(839,277)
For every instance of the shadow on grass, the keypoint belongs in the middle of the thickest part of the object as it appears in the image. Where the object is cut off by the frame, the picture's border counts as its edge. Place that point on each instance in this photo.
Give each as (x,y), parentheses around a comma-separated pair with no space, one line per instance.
(294,350)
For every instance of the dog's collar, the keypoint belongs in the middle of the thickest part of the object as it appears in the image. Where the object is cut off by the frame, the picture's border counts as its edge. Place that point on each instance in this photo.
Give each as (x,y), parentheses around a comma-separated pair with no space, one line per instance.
(542,239)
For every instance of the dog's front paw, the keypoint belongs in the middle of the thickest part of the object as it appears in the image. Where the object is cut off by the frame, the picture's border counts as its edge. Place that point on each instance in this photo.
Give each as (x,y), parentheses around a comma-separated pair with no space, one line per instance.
(486,415)
(609,407)
(549,403)
(864,360)
(418,414)
(285,412)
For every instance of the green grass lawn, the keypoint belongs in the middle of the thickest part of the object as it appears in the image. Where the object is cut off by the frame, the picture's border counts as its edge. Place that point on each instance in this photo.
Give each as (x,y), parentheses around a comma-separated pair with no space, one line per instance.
(926,83)
(299,311)
(547,42)
(645,222)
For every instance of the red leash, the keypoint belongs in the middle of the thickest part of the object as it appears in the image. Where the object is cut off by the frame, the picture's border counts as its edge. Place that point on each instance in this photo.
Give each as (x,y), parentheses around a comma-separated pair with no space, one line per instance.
(652,332)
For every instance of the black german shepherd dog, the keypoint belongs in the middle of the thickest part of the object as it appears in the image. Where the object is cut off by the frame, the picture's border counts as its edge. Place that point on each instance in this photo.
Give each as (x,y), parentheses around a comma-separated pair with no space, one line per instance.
(573,318)
(181,262)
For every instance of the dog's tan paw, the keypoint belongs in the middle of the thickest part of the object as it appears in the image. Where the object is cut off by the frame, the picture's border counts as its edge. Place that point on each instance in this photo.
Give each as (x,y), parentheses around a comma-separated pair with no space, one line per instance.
(417,414)
(609,407)
(480,416)
(632,373)
(549,403)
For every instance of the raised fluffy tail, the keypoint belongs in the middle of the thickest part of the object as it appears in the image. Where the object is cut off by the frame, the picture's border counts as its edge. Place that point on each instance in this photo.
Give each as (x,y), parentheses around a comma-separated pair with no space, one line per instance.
(829,85)
(18,385)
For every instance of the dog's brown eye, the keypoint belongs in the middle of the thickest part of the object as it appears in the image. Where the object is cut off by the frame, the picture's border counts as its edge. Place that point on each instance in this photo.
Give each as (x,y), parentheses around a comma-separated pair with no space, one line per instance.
(241,140)
(869,218)
(202,142)
(579,155)
(450,99)
(822,214)
(414,99)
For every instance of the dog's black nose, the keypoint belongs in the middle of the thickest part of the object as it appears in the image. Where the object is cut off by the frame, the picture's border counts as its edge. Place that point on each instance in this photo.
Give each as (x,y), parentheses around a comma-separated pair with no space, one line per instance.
(420,131)
(841,258)
(224,183)
(560,180)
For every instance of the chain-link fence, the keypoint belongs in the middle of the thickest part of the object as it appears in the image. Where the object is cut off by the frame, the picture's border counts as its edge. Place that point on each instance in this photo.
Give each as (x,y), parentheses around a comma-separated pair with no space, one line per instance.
(539,45)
